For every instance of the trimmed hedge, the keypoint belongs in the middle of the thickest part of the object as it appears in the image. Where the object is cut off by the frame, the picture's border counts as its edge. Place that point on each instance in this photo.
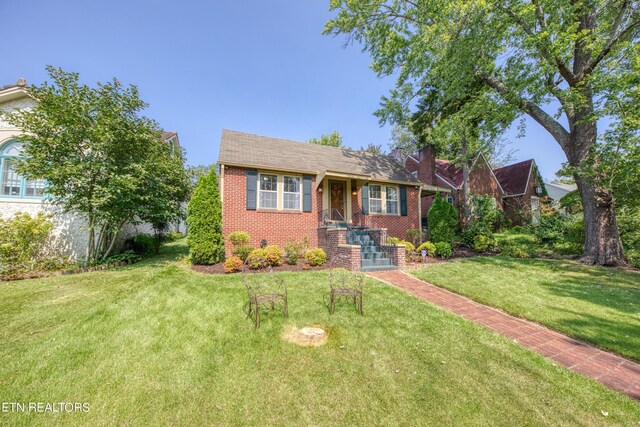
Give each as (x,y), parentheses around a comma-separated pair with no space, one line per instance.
(204,217)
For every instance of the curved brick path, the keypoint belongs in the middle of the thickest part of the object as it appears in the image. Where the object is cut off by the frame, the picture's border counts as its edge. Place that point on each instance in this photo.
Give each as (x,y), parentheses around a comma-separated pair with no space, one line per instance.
(613,371)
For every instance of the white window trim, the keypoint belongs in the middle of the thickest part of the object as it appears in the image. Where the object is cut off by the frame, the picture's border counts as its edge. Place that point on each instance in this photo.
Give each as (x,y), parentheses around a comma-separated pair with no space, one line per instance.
(299,192)
(279,191)
(383,199)
(260,190)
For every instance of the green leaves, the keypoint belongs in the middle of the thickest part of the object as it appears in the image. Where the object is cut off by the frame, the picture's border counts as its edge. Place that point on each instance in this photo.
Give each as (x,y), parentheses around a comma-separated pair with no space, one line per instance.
(334,139)
(204,217)
(99,156)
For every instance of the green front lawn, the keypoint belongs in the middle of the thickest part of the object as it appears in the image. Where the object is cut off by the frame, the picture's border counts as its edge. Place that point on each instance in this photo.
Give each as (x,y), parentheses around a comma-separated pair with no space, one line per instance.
(599,305)
(157,344)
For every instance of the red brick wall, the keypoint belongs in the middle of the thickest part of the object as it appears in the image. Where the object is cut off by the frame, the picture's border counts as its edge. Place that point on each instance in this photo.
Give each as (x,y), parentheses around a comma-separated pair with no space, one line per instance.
(518,208)
(396,225)
(276,227)
(427,167)
(482,182)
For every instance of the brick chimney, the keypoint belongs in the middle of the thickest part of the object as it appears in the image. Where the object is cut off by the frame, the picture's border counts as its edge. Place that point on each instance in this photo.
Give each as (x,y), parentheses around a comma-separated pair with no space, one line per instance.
(427,167)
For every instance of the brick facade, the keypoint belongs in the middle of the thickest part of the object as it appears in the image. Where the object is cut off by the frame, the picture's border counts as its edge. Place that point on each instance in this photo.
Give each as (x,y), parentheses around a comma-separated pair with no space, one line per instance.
(396,225)
(481,179)
(276,227)
(518,208)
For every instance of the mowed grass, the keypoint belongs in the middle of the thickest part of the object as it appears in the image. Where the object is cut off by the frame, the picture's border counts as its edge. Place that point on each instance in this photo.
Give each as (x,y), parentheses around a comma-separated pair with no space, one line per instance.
(599,305)
(157,344)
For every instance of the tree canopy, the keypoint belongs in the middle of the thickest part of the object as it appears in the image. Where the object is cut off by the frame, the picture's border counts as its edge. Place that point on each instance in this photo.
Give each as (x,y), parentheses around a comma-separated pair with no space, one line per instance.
(565,63)
(100,157)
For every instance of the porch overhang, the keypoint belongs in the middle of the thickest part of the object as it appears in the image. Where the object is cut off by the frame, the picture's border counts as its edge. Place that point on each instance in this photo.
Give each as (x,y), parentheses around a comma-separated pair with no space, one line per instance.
(427,190)
(331,174)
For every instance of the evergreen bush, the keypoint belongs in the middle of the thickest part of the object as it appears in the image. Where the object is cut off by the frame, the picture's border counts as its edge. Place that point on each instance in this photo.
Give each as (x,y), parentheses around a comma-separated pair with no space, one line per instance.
(204,217)
(442,220)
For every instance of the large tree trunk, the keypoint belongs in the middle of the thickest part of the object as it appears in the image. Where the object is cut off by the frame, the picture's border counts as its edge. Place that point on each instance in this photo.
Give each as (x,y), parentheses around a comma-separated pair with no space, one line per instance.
(602,240)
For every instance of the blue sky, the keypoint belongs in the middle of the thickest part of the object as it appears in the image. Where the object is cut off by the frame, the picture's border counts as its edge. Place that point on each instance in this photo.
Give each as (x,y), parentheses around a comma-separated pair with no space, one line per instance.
(255,66)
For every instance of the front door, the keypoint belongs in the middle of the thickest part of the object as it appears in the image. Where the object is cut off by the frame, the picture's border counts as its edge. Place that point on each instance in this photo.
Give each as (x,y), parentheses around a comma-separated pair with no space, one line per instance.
(337,200)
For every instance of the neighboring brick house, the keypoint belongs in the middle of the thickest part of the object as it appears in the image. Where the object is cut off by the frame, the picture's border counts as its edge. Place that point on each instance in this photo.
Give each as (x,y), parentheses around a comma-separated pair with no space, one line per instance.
(18,194)
(523,189)
(515,188)
(428,169)
(338,198)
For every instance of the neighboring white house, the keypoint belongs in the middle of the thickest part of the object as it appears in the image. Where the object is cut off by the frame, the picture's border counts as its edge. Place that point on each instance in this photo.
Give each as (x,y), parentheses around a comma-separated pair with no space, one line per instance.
(557,190)
(17,194)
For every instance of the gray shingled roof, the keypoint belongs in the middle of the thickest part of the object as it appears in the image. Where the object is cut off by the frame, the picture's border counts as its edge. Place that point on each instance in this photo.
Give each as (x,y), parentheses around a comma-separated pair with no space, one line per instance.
(244,149)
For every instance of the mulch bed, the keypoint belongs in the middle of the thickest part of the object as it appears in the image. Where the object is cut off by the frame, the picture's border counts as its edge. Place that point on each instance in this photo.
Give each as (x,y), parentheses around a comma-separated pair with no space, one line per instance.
(219,268)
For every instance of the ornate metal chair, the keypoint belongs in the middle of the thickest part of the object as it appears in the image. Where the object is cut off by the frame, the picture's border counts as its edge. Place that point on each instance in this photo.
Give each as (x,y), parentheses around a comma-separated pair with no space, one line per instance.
(264,290)
(345,284)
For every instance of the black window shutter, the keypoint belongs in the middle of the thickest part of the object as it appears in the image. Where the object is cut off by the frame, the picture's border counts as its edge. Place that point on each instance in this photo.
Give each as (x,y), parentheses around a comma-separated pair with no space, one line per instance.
(403,201)
(252,184)
(365,199)
(306,193)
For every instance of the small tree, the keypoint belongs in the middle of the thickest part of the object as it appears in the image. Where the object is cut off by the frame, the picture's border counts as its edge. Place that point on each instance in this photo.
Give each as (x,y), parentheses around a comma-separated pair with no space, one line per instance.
(100,157)
(442,219)
(204,217)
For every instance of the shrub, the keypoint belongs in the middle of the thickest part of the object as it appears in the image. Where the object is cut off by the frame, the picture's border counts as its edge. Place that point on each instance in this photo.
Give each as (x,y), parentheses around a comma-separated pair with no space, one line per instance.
(257,259)
(295,250)
(23,240)
(484,221)
(413,236)
(567,248)
(429,247)
(128,255)
(515,251)
(633,257)
(482,243)
(233,264)
(239,238)
(550,227)
(273,254)
(443,249)
(442,220)
(174,235)
(243,251)
(204,217)
(395,241)
(144,244)
(316,257)
(576,232)
(629,226)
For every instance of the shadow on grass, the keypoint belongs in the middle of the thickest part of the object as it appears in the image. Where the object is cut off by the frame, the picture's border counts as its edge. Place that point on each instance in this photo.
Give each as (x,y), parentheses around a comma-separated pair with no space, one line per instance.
(607,334)
(615,289)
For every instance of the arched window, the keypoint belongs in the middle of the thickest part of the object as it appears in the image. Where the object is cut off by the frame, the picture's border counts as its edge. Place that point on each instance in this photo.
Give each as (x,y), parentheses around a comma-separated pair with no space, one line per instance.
(11,183)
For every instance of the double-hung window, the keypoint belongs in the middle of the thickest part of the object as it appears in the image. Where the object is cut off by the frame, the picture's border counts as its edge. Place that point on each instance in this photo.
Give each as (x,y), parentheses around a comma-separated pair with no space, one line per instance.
(375,198)
(13,184)
(384,199)
(268,191)
(291,192)
(392,200)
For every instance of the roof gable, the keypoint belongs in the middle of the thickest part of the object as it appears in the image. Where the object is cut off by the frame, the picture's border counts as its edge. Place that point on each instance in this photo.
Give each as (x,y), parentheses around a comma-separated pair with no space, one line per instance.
(514,178)
(249,150)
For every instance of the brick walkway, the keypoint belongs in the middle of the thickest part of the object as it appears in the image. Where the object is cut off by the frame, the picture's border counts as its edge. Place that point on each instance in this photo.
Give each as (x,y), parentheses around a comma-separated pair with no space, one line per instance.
(613,371)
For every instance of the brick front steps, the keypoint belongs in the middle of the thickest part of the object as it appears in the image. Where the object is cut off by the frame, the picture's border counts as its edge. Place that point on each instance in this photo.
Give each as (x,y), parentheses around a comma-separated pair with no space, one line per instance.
(611,370)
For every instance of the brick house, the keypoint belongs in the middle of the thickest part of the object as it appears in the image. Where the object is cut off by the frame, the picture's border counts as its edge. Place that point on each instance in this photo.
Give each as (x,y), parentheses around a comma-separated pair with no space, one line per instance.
(343,200)
(523,188)
(515,189)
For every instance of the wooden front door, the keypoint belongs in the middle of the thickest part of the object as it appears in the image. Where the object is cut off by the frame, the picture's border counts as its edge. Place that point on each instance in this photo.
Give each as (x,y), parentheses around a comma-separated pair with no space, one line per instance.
(337,200)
